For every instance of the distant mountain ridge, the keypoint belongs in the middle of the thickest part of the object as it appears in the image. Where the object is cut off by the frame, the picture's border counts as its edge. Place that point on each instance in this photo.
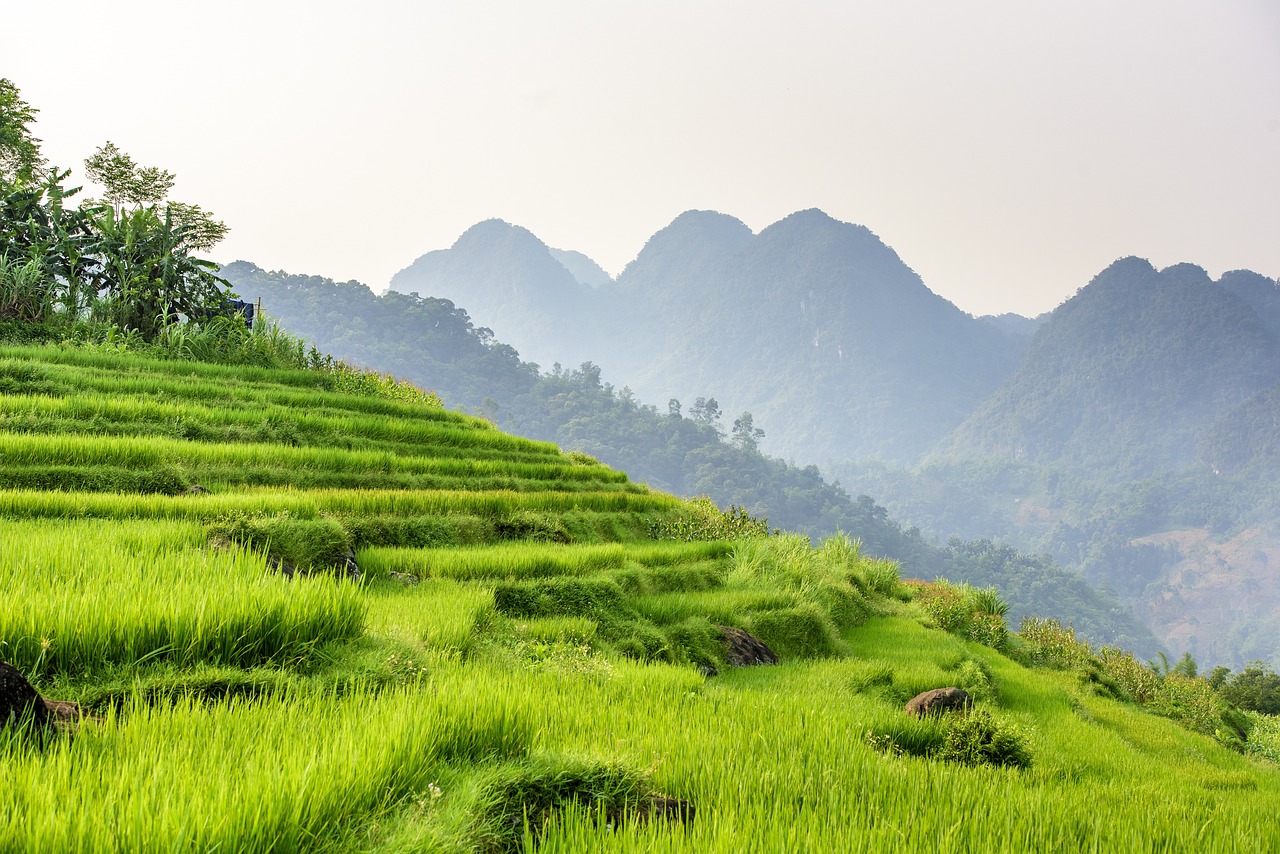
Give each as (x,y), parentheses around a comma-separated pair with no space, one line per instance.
(1129,375)
(813,325)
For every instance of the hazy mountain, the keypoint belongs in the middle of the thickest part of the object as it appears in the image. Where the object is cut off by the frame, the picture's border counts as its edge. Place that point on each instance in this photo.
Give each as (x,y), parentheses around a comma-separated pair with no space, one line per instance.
(510,282)
(1261,293)
(1015,325)
(1126,377)
(815,326)
(586,271)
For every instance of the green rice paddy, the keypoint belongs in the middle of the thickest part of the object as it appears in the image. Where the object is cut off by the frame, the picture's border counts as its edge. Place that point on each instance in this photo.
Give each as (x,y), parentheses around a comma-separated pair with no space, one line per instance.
(520,666)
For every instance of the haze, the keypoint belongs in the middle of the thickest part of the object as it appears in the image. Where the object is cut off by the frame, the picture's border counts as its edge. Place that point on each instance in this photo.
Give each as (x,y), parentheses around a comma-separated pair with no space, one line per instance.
(1008,151)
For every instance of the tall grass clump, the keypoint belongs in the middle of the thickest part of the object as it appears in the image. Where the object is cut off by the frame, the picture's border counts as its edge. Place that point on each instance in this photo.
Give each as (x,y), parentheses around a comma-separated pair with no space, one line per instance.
(971,613)
(703,520)
(227,339)
(822,579)
(1047,643)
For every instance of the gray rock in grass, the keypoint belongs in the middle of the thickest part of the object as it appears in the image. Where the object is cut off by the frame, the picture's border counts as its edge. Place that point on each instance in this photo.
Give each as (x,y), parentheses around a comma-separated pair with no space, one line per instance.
(19,701)
(744,650)
(938,701)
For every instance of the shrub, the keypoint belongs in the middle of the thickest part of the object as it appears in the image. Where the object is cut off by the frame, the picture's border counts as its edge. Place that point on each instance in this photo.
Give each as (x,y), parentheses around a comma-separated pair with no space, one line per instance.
(706,521)
(973,614)
(1047,643)
(1139,683)
(975,679)
(979,738)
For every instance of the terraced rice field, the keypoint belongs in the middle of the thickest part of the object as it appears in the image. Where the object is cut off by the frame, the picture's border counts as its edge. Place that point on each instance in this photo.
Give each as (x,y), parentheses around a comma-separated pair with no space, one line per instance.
(520,666)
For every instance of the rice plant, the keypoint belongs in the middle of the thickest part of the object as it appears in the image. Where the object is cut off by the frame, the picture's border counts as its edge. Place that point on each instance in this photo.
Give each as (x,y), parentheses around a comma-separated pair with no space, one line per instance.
(80,596)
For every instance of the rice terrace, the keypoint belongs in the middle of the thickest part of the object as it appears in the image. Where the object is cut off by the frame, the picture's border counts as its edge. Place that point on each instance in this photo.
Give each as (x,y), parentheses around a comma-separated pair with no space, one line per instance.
(257,598)
(307,608)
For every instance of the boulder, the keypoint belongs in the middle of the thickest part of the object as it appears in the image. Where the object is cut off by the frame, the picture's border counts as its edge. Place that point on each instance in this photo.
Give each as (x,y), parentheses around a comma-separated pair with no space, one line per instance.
(743,650)
(938,701)
(20,701)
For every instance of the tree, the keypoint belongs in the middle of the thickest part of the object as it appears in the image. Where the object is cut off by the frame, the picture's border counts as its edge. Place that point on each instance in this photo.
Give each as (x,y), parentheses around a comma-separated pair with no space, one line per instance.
(20,158)
(143,247)
(146,273)
(706,411)
(125,181)
(746,436)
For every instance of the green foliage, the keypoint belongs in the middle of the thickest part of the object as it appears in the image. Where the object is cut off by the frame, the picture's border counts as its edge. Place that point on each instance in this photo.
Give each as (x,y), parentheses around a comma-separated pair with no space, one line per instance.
(1047,643)
(978,737)
(20,157)
(975,678)
(706,522)
(1264,736)
(1256,689)
(964,611)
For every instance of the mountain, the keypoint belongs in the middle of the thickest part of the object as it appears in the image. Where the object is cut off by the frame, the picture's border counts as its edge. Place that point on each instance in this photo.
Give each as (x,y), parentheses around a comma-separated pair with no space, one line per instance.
(586,271)
(817,328)
(512,284)
(835,346)
(1128,375)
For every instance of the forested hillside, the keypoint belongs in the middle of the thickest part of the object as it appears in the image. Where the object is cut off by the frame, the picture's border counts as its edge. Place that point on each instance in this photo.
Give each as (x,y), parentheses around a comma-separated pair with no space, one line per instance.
(1127,376)
(1137,443)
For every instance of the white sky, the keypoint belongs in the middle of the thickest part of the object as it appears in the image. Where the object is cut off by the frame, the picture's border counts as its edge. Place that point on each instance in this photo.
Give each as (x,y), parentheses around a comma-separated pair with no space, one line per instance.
(1008,149)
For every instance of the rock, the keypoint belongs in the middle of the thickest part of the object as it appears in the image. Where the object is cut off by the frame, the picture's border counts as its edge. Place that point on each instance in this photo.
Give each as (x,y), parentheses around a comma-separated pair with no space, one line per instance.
(656,807)
(18,700)
(345,566)
(743,650)
(938,701)
(708,670)
(405,578)
(280,564)
(64,714)
(670,809)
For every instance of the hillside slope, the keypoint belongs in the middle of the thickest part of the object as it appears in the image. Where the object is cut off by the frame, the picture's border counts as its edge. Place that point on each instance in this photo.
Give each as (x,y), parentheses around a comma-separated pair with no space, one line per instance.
(1127,376)
(686,452)
(522,664)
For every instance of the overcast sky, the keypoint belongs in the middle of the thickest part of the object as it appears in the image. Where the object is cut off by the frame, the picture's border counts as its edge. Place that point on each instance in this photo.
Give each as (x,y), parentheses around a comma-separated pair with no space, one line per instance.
(1008,150)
